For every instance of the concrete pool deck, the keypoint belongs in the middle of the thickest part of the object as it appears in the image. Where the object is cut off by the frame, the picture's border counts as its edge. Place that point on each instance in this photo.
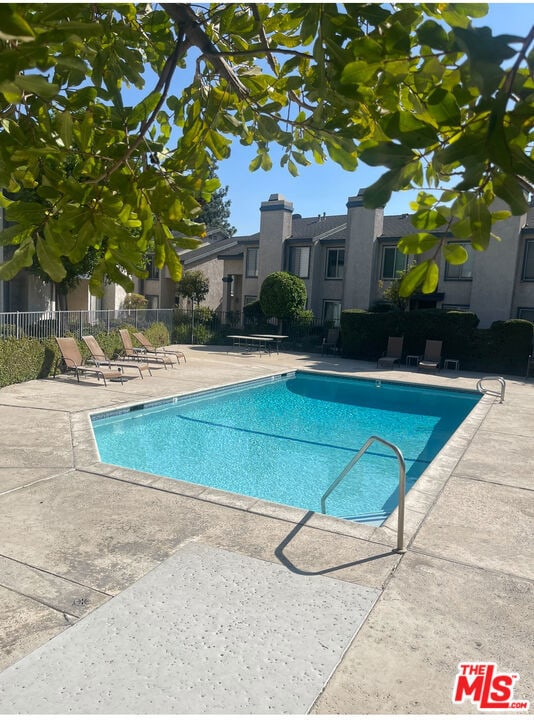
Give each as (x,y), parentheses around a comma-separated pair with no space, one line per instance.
(83,543)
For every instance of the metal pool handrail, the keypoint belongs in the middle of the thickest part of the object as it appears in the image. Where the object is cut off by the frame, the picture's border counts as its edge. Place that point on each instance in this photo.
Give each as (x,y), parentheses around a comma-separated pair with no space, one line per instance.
(496,393)
(402,484)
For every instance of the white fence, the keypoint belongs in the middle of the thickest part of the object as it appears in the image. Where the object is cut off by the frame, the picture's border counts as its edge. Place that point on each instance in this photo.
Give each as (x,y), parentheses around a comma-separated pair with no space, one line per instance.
(42,325)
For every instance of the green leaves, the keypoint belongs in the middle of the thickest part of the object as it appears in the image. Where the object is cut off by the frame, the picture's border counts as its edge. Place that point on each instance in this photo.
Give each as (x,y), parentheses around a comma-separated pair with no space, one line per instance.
(425,276)
(13,26)
(417,243)
(414,89)
(22,258)
(387,153)
(455,254)
(48,260)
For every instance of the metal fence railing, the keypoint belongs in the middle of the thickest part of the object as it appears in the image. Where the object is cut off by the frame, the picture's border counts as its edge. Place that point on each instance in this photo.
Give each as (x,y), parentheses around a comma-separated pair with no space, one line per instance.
(204,327)
(42,325)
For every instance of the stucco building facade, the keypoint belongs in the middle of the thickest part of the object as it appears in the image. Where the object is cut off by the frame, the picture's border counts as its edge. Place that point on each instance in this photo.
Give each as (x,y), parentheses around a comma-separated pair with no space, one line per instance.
(346,261)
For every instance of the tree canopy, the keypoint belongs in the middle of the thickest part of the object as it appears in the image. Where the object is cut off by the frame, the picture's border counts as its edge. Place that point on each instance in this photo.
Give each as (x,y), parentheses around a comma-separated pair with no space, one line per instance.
(193,285)
(215,213)
(283,296)
(442,106)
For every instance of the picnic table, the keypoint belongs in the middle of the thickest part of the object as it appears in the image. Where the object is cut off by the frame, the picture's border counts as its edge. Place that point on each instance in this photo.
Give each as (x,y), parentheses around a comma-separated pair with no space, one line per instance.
(277,339)
(251,343)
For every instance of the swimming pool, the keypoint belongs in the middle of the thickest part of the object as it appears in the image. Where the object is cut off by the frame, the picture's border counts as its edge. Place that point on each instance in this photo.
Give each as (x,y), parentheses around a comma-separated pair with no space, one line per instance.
(286,438)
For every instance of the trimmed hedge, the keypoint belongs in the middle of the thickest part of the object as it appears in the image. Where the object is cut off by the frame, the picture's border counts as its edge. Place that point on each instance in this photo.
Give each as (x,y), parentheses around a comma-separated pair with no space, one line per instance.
(26,358)
(503,348)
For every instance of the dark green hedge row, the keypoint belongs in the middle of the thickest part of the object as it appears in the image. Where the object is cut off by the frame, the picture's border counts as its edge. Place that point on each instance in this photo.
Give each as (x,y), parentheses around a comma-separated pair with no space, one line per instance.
(25,358)
(503,348)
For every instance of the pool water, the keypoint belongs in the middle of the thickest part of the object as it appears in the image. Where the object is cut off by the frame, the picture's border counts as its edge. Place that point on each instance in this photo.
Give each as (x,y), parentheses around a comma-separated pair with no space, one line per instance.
(287,438)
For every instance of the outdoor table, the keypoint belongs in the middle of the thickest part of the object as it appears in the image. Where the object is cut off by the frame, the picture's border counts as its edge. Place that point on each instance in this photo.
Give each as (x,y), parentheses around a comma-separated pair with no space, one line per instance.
(277,339)
(251,343)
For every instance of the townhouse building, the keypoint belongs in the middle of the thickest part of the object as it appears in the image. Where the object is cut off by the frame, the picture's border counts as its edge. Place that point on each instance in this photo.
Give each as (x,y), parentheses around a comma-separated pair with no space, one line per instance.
(346,261)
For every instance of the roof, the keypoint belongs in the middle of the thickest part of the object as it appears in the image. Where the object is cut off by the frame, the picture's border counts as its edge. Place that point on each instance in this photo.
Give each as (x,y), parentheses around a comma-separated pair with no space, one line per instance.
(207,251)
(529,225)
(395,226)
(312,227)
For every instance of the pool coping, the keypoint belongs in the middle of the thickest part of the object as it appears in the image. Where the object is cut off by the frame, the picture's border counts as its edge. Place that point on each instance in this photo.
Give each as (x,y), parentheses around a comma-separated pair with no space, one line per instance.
(418,501)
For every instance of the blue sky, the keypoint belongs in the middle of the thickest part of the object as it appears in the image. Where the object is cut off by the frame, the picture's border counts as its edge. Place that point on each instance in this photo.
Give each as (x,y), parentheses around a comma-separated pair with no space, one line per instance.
(325,188)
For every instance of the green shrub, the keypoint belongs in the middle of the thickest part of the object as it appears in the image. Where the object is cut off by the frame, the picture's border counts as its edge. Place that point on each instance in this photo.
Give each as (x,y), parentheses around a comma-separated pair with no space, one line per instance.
(158,334)
(205,316)
(181,332)
(134,301)
(25,359)
(253,314)
(503,348)
(282,295)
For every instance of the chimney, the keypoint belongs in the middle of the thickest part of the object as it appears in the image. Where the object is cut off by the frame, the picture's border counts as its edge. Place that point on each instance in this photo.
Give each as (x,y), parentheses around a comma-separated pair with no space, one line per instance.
(276,225)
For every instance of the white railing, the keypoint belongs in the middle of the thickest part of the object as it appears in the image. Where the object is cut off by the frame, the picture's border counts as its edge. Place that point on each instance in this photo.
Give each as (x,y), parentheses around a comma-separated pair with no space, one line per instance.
(488,391)
(44,324)
(402,483)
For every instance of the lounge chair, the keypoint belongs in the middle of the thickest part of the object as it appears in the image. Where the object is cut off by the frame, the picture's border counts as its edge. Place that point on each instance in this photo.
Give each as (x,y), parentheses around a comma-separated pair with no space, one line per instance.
(330,342)
(100,358)
(145,342)
(432,357)
(140,354)
(72,357)
(393,352)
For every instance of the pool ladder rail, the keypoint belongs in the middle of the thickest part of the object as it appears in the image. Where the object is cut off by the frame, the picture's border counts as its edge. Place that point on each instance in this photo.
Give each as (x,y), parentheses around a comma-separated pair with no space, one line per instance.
(488,391)
(402,483)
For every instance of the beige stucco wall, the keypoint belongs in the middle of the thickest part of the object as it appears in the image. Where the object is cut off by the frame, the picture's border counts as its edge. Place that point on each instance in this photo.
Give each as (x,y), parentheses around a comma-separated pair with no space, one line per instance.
(364,226)
(275,227)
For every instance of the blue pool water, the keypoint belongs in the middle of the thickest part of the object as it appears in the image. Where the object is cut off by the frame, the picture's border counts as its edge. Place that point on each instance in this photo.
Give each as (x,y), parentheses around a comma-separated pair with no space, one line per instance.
(286,439)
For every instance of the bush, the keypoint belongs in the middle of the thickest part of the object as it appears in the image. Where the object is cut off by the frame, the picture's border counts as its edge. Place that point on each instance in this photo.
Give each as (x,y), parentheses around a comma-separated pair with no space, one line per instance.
(25,359)
(282,295)
(181,332)
(253,314)
(205,316)
(134,301)
(158,334)
(502,348)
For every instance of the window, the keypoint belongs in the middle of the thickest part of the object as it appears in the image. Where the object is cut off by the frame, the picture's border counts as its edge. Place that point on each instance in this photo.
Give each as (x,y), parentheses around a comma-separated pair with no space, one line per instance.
(152,302)
(528,261)
(460,272)
(249,299)
(393,262)
(153,271)
(299,261)
(331,312)
(526,313)
(335,262)
(251,269)
(458,308)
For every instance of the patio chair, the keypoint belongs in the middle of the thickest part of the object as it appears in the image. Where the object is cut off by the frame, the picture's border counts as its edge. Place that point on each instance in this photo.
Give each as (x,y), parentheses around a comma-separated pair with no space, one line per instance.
(136,353)
(100,358)
(145,342)
(432,357)
(393,352)
(330,342)
(72,357)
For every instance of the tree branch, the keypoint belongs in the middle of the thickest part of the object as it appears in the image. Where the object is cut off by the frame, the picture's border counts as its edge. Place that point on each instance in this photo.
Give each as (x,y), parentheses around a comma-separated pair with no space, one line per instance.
(187,20)
(162,85)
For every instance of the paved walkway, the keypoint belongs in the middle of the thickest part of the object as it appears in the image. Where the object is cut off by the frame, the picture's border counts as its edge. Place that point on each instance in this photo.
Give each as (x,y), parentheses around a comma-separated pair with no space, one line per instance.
(86,552)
